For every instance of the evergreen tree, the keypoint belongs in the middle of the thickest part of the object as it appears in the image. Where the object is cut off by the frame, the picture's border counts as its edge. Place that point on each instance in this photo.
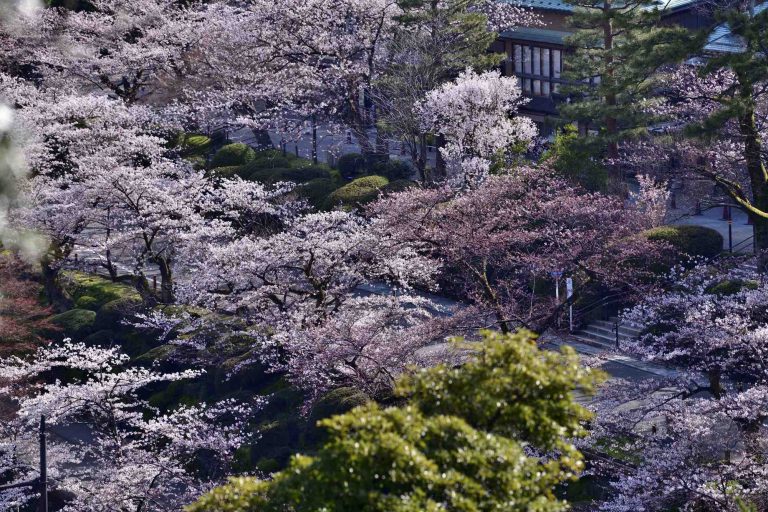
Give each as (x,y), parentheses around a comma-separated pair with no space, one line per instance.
(464,442)
(618,46)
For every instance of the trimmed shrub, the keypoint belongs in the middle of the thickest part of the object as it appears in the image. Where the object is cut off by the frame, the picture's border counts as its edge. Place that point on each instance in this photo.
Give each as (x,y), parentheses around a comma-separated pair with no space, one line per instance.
(393,170)
(76,322)
(358,192)
(351,164)
(397,186)
(233,154)
(690,240)
(192,144)
(316,191)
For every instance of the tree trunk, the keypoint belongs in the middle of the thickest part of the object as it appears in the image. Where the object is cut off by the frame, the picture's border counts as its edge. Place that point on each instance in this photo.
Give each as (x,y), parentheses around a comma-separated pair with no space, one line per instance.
(358,125)
(715,384)
(758,177)
(59,299)
(166,282)
(440,170)
(611,123)
(421,162)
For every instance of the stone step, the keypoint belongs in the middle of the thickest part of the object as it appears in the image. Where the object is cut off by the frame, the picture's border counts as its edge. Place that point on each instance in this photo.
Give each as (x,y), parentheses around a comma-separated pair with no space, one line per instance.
(605,338)
(606,333)
(629,330)
(592,342)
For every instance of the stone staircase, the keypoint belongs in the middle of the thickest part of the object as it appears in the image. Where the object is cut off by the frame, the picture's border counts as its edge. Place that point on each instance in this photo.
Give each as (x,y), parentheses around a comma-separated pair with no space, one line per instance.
(602,333)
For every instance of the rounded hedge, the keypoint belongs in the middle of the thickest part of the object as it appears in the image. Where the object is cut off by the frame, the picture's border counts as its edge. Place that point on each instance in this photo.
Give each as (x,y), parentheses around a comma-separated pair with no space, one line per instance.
(731,287)
(393,170)
(233,154)
(397,186)
(690,240)
(316,191)
(358,192)
(193,144)
(351,164)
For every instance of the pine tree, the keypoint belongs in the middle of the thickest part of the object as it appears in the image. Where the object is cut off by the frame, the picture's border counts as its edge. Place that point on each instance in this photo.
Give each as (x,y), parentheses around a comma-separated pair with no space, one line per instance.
(618,47)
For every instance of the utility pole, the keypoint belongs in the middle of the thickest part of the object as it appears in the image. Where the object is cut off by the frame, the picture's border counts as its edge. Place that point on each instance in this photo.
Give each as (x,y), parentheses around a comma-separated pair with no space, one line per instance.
(43,506)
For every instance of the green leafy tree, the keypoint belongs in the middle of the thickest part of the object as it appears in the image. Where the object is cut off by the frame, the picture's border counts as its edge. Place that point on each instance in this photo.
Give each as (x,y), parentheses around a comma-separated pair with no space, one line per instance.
(460,444)
(578,159)
(618,47)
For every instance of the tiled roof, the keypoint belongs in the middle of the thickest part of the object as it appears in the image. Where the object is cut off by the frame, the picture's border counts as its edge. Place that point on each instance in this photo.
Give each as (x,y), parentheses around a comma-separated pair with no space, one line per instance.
(562,6)
(721,40)
(539,35)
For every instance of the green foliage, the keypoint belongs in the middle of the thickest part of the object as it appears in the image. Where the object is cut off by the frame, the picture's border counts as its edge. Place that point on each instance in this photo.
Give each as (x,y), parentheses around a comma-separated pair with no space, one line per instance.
(99,290)
(233,154)
(358,192)
(87,302)
(731,287)
(192,144)
(458,445)
(317,190)
(393,170)
(622,43)
(351,165)
(76,322)
(690,240)
(578,159)
(397,186)
(229,171)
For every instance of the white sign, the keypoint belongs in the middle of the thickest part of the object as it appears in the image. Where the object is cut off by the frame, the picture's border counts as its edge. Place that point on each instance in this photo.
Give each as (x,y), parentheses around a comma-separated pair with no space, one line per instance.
(569,287)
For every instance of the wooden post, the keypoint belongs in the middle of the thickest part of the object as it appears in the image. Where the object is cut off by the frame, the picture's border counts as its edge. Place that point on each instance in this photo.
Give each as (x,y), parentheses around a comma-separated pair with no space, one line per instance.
(154,283)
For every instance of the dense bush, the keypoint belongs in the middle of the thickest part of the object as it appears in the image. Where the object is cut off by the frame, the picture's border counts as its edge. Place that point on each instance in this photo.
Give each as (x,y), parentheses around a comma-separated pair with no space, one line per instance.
(358,192)
(397,186)
(351,164)
(578,158)
(233,154)
(228,171)
(690,240)
(393,170)
(192,144)
(316,191)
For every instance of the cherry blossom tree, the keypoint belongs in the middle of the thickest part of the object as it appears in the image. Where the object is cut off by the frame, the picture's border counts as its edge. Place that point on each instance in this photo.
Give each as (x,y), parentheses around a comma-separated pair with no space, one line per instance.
(474,115)
(128,455)
(699,436)
(499,242)
(307,293)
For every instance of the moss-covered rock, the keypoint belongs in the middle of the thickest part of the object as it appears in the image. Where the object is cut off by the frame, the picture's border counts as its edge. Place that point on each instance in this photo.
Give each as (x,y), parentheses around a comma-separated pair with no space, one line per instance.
(232,155)
(110,315)
(100,290)
(731,287)
(76,322)
(103,338)
(358,192)
(690,240)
